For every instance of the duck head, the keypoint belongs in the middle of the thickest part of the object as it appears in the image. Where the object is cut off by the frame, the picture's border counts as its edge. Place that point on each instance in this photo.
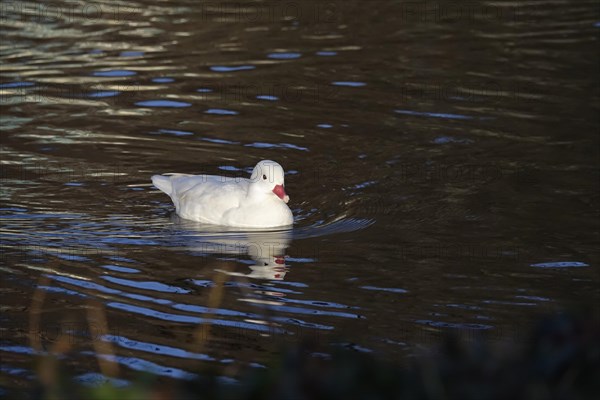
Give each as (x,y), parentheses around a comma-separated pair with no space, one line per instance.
(268,178)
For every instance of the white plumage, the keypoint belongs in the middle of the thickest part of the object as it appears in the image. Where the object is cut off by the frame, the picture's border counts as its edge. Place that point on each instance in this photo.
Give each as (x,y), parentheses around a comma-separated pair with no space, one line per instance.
(258,202)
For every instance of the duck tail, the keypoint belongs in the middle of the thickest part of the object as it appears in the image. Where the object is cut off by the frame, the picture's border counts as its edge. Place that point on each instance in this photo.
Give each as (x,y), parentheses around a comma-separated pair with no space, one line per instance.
(163,183)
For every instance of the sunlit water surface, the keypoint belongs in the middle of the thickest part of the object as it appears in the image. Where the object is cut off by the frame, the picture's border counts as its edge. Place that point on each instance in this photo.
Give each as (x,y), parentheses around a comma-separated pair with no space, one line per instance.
(442,170)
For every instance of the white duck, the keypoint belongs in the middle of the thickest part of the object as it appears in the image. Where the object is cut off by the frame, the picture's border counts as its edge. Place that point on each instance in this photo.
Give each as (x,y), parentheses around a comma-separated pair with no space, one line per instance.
(258,202)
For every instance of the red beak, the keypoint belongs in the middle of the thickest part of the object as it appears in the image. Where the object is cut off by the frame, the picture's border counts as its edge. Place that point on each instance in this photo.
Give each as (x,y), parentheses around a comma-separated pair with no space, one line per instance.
(280,192)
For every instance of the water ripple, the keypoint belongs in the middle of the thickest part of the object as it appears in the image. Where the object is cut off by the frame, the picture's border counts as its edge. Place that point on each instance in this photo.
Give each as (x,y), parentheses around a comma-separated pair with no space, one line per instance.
(104,93)
(222,68)
(147,285)
(176,132)
(348,83)
(454,325)
(162,103)
(190,319)
(115,73)
(561,264)
(263,145)
(140,364)
(118,268)
(382,289)
(16,85)
(308,311)
(163,80)
(132,344)
(221,111)
(284,56)
(433,115)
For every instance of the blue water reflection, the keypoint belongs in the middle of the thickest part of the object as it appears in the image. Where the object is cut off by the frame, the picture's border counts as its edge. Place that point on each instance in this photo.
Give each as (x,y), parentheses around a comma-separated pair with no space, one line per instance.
(348,83)
(145,285)
(10,85)
(267,97)
(133,344)
(220,111)
(263,145)
(115,73)
(176,132)
(434,115)
(131,54)
(104,93)
(162,103)
(284,55)
(222,68)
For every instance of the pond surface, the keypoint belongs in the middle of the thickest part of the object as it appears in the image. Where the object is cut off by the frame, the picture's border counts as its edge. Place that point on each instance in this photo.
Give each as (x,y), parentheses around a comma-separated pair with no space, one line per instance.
(442,164)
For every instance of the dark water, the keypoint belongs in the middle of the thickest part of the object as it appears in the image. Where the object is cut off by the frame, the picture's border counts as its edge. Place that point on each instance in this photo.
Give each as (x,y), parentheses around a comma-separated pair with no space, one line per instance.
(442,163)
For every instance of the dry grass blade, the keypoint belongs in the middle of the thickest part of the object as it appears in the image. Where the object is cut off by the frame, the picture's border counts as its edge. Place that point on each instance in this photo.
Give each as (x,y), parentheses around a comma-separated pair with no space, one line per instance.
(47,369)
(215,297)
(35,313)
(97,318)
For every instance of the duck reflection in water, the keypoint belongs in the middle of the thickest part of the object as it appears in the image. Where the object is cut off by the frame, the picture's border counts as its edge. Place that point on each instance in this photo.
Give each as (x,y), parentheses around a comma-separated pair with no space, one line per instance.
(266,249)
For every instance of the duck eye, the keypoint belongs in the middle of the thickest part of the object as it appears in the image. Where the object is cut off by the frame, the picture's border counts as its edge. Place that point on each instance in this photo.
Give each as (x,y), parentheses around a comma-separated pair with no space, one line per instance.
(265,177)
